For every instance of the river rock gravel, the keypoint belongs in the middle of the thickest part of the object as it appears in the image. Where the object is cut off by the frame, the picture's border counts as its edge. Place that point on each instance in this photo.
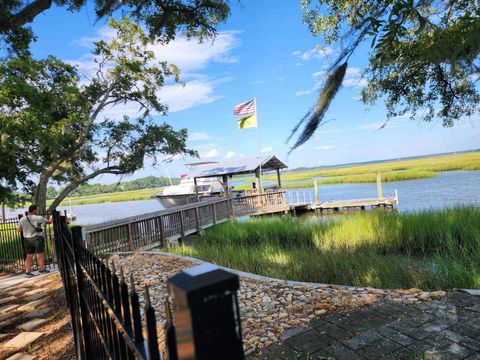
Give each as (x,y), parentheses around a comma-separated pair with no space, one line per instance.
(269,308)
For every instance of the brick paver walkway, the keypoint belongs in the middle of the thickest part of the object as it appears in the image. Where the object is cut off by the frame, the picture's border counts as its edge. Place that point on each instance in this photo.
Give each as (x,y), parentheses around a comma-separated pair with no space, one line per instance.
(23,309)
(443,329)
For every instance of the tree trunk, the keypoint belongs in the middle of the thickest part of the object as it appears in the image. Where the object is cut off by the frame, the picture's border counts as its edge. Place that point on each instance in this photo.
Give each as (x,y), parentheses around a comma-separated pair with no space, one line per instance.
(40,196)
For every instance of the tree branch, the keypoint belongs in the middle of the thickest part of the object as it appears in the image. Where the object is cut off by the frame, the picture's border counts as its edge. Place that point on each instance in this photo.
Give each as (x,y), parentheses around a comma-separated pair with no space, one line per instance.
(24,16)
(76,183)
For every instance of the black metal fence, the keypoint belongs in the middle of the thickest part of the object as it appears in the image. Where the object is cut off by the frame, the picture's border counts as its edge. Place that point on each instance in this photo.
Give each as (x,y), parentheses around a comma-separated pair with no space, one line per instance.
(106,312)
(12,253)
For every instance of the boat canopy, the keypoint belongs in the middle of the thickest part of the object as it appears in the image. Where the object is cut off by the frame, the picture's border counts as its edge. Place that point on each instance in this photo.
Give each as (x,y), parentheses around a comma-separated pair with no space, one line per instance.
(239,167)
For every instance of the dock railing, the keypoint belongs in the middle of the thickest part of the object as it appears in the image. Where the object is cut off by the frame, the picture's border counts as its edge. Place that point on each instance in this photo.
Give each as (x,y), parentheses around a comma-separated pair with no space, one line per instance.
(260,204)
(156,228)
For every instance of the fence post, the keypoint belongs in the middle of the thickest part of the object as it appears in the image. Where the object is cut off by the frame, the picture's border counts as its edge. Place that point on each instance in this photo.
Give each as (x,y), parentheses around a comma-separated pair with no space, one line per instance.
(22,239)
(205,299)
(152,338)
(214,213)
(182,228)
(59,249)
(162,232)
(130,245)
(231,207)
(197,219)
(77,247)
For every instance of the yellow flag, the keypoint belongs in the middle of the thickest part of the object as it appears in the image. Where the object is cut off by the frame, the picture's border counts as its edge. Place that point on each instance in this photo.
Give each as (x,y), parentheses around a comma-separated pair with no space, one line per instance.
(247,121)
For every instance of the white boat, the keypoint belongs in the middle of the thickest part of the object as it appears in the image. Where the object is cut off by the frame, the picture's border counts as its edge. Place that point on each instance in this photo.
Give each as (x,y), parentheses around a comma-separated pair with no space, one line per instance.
(186,193)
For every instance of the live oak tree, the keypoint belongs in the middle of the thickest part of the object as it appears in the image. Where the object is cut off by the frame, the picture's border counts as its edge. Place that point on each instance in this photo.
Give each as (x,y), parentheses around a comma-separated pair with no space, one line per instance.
(162,18)
(423,56)
(52,127)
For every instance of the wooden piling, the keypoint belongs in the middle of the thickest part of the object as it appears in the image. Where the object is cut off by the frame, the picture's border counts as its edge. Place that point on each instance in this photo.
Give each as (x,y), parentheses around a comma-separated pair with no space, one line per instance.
(379,186)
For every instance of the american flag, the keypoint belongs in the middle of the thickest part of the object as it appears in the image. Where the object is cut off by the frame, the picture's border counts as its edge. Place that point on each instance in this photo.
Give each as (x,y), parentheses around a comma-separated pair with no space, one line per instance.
(248,107)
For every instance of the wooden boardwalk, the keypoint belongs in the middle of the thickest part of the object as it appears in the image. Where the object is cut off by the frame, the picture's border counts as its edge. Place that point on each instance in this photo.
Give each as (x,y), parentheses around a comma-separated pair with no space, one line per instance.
(155,229)
(331,206)
(159,228)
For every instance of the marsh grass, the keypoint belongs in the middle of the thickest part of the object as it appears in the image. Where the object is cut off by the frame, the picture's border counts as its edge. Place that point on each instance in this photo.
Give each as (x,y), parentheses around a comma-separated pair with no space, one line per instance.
(428,249)
(401,170)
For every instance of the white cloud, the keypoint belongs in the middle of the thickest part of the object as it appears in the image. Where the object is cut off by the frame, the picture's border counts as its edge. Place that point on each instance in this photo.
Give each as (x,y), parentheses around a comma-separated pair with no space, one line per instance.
(371,126)
(190,56)
(325,147)
(320,73)
(303,92)
(198,136)
(353,78)
(230,154)
(266,149)
(315,53)
(355,82)
(209,154)
(258,82)
(194,93)
(377,125)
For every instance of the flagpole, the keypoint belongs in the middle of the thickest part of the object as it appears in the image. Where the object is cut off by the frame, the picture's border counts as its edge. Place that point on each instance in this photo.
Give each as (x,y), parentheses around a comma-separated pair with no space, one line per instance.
(260,189)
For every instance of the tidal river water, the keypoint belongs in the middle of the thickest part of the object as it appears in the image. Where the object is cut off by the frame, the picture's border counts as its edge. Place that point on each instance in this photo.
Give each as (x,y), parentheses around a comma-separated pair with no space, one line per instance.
(447,189)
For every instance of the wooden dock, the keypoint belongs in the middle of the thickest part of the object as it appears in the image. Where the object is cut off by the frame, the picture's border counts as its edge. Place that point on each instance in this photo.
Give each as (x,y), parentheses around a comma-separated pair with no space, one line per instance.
(306,201)
(155,229)
(332,206)
(159,228)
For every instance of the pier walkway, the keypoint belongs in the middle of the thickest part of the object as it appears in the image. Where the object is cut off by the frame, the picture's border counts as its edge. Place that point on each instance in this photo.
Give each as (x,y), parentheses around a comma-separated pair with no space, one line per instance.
(155,229)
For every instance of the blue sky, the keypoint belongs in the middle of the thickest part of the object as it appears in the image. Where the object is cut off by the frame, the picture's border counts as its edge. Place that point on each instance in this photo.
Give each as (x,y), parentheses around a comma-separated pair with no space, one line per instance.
(263,50)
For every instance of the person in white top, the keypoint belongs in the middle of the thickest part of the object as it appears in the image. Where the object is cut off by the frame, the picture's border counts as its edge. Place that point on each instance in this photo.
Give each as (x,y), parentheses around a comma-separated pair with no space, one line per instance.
(34,239)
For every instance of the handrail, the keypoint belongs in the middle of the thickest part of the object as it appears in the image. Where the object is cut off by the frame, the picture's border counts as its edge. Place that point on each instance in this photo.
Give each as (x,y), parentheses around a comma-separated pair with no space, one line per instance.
(157,228)
(151,215)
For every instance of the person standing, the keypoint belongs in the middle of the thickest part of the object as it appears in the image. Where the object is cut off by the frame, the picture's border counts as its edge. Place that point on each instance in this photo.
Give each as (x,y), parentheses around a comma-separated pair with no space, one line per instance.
(34,236)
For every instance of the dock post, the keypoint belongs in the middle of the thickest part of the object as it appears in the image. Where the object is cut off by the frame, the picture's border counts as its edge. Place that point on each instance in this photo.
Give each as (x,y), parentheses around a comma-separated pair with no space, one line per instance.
(396,197)
(197,219)
(317,199)
(182,228)
(161,229)
(379,186)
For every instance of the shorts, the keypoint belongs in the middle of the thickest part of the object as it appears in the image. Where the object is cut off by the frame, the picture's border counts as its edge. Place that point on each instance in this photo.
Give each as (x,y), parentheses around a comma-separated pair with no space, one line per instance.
(34,244)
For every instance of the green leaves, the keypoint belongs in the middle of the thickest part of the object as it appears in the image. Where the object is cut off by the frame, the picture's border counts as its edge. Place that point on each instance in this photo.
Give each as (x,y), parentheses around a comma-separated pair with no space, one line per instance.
(53,126)
(424,55)
(162,18)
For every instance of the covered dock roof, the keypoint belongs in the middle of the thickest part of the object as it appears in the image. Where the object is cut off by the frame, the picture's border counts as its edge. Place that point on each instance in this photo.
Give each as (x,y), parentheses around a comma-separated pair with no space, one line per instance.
(239,167)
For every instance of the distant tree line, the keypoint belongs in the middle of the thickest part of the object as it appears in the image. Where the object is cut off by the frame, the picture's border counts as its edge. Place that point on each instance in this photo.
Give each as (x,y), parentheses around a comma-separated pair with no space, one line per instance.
(148,182)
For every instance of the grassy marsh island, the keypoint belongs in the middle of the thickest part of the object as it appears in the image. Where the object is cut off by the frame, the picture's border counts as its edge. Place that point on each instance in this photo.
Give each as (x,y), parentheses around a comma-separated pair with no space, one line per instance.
(429,249)
(411,169)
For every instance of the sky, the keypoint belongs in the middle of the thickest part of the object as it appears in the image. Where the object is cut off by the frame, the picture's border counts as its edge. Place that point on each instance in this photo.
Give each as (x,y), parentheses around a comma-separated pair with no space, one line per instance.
(264,51)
